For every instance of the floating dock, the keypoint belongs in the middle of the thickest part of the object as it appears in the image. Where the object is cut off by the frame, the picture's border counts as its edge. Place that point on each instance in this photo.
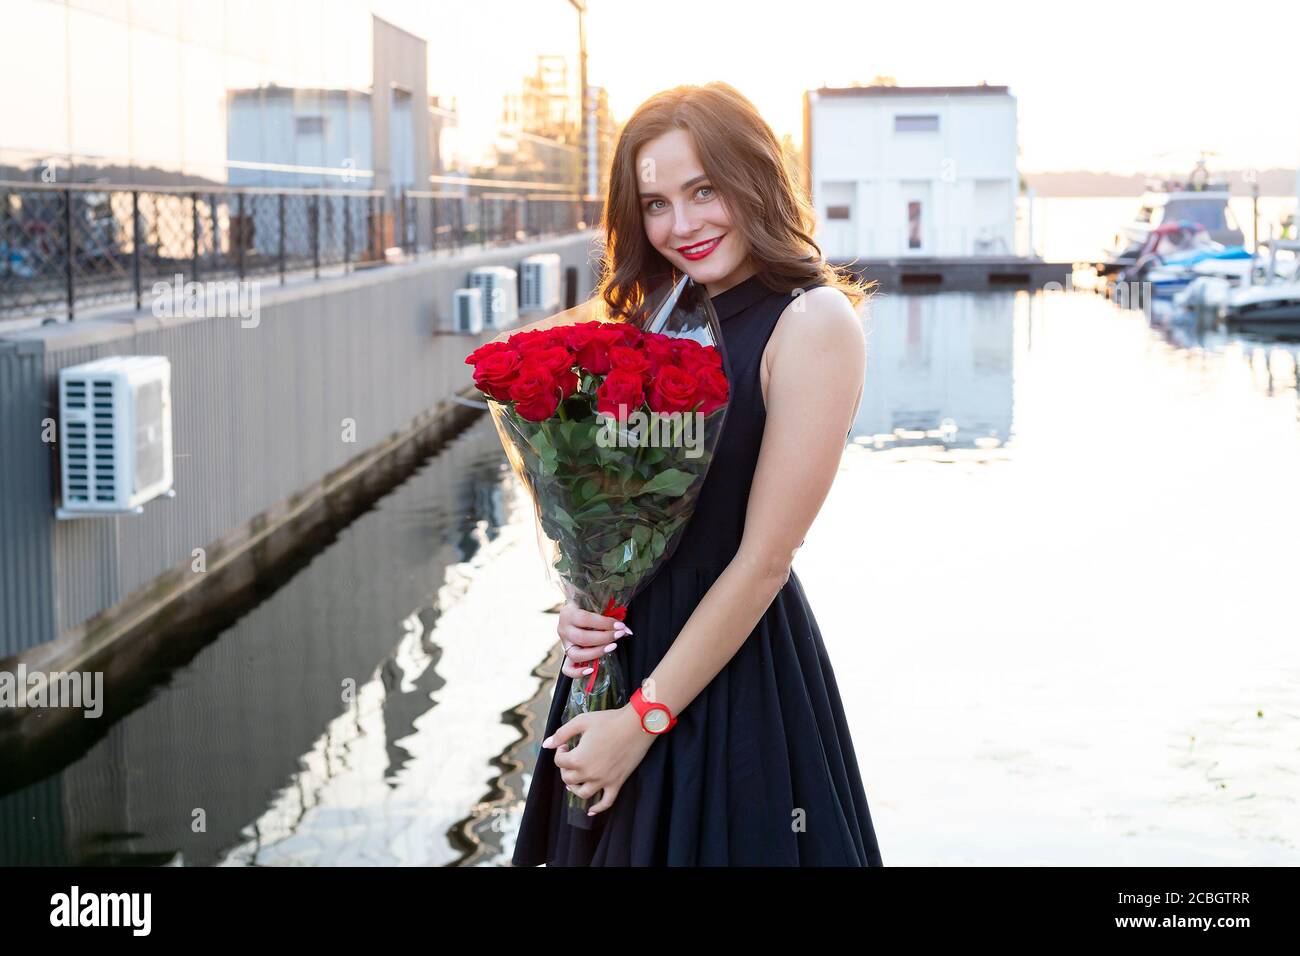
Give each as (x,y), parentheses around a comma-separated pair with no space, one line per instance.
(959,274)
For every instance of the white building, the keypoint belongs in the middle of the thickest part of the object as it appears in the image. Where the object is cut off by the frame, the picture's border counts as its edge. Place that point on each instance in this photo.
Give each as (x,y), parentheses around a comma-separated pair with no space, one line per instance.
(912,170)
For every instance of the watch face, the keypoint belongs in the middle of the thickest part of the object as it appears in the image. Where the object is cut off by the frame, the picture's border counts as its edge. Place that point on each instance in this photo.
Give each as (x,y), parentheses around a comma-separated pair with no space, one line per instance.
(655,721)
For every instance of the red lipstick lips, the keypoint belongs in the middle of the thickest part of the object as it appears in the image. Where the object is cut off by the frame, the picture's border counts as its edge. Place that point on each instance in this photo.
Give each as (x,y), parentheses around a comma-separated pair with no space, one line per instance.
(700,249)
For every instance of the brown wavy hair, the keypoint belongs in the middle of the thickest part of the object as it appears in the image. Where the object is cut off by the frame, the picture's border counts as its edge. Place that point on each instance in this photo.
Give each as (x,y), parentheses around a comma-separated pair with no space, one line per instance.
(744,161)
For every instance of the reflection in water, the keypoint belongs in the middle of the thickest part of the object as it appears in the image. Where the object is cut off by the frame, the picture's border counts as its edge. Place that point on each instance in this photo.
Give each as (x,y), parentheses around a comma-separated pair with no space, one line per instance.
(287,729)
(1273,358)
(939,370)
(1093,636)
(1089,634)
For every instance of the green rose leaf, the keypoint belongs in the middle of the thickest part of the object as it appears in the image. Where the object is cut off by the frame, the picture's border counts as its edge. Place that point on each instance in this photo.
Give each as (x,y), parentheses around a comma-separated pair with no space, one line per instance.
(619,555)
(594,510)
(563,518)
(657,544)
(670,481)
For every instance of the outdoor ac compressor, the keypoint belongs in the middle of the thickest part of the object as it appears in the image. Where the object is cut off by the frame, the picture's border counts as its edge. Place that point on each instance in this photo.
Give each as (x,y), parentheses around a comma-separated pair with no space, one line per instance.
(115,434)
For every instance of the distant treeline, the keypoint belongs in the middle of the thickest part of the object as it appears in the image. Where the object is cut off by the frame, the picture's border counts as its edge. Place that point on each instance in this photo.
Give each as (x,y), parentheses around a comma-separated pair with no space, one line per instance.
(1272,182)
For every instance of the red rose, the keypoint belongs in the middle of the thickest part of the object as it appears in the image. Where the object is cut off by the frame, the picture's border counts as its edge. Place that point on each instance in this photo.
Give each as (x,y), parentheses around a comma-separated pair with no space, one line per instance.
(594,356)
(714,388)
(527,341)
(620,388)
(673,390)
(632,335)
(574,337)
(483,351)
(534,392)
(567,382)
(495,373)
(555,358)
(694,355)
(517,339)
(660,352)
(628,360)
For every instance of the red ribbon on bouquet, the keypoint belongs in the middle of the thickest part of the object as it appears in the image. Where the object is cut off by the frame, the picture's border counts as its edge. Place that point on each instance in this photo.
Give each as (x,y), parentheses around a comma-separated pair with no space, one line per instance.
(618,612)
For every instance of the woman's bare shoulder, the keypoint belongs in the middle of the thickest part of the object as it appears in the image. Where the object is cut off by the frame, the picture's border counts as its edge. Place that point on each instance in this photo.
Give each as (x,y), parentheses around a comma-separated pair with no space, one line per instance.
(818,320)
(818,328)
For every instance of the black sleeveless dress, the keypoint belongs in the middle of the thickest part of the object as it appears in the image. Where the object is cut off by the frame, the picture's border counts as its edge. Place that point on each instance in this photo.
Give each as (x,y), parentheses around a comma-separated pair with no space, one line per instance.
(765,738)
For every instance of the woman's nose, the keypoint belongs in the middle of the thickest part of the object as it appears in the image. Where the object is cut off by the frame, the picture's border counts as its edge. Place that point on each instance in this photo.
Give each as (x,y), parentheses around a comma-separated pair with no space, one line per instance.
(684,226)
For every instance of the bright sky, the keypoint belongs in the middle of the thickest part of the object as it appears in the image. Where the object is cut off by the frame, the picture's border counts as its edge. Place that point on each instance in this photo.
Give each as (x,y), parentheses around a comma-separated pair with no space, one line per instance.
(1108,86)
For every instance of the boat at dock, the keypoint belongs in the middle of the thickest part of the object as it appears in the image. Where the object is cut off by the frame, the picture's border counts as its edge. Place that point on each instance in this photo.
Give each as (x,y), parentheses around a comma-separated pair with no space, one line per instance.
(1270,300)
(1175,253)
(1196,198)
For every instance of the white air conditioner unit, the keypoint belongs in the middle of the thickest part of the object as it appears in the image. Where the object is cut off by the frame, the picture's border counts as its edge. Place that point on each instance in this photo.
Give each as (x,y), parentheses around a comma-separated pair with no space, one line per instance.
(500,288)
(467,311)
(115,434)
(539,282)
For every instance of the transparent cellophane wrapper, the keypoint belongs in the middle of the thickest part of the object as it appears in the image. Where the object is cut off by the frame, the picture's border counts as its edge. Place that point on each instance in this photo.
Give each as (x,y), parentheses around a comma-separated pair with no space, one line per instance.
(608,518)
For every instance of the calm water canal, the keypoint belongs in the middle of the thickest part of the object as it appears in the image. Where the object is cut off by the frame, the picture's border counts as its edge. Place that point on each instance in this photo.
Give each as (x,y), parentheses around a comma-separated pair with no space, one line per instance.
(1056,577)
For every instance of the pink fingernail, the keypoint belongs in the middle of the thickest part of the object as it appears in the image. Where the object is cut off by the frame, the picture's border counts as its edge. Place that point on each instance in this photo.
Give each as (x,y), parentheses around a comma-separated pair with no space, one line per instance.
(587,671)
(610,647)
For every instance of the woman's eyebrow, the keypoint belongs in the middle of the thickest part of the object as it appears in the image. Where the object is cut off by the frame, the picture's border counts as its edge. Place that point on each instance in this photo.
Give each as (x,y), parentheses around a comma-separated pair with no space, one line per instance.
(686,185)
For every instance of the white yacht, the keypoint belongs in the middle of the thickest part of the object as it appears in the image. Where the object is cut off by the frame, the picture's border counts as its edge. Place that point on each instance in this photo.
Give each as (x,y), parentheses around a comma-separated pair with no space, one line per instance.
(1195,198)
(1273,303)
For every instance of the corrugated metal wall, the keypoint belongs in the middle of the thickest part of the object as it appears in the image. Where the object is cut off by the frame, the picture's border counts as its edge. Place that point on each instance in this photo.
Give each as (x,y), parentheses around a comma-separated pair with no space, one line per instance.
(26,549)
(257,416)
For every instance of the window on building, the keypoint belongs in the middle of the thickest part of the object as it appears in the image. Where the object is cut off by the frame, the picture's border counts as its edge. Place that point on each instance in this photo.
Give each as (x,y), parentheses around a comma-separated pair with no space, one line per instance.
(309,125)
(837,212)
(916,122)
(914,224)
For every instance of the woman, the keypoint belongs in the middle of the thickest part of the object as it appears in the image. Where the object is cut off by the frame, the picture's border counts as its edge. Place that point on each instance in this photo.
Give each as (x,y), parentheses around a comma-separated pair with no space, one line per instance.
(735,749)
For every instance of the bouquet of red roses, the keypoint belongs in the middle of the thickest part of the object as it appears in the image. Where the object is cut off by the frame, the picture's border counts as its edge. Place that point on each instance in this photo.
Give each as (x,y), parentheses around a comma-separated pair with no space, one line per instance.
(611,426)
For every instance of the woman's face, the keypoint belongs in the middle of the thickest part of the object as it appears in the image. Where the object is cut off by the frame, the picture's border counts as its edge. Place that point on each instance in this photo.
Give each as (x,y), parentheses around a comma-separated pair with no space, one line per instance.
(685,216)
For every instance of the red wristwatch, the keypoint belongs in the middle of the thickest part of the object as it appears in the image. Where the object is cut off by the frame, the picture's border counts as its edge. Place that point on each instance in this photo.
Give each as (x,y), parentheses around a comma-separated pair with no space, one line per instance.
(655,717)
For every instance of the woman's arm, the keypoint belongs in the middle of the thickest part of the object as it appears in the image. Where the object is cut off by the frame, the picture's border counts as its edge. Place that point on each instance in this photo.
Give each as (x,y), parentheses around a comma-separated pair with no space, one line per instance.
(818,368)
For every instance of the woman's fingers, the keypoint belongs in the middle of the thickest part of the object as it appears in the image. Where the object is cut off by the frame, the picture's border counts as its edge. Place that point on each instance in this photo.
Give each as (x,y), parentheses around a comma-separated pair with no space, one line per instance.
(591,620)
(587,627)
(584,655)
(588,637)
(576,669)
(578,661)
(605,802)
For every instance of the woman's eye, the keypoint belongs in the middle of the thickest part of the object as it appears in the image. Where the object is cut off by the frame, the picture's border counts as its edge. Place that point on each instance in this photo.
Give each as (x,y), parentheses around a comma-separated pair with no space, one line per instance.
(650,206)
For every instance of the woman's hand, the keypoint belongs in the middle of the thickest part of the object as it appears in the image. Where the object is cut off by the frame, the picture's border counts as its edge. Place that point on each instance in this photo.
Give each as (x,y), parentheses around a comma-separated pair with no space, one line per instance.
(586,636)
(613,744)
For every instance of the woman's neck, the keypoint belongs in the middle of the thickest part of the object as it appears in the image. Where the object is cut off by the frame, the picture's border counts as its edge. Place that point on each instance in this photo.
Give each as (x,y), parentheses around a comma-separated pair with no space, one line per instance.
(738,275)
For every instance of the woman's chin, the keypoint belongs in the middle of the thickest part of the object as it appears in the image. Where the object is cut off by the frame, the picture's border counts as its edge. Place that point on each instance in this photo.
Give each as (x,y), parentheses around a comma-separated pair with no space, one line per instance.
(707,272)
